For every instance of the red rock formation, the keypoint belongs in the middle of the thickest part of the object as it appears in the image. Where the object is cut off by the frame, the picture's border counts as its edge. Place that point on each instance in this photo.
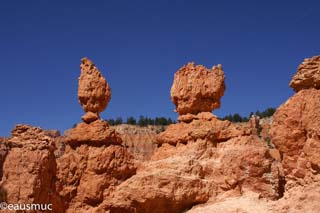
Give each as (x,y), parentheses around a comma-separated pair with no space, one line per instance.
(3,153)
(197,89)
(140,141)
(94,161)
(97,133)
(308,75)
(87,174)
(29,169)
(299,199)
(199,158)
(295,133)
(179,177)
(296,127)
(94,92)
(211,129)
(265,126)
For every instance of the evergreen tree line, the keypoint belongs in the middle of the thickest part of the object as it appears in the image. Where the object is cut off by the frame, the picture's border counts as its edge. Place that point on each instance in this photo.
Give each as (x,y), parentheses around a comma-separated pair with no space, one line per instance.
(238,118)
(162,121)
(141,121)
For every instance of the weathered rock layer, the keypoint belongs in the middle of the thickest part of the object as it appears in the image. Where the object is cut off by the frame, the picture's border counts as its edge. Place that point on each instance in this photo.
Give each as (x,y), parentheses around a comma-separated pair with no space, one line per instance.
(140,141)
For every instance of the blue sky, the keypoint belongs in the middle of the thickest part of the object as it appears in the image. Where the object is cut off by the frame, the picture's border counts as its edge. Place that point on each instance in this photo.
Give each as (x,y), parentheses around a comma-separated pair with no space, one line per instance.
(139,45)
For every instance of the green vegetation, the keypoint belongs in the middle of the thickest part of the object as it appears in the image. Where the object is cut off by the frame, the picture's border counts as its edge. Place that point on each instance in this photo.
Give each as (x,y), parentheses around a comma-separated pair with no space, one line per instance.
(116,121)
(238,118)
(235,118)
(142,121)
(162,121)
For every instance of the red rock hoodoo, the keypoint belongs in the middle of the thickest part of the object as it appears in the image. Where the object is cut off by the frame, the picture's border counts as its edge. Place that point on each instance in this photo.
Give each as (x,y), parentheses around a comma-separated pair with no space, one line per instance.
(94,92)
(197,89)
(94,161)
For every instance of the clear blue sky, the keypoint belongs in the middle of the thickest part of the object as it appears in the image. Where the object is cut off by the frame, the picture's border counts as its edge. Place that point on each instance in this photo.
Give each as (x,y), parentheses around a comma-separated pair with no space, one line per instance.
(139,45)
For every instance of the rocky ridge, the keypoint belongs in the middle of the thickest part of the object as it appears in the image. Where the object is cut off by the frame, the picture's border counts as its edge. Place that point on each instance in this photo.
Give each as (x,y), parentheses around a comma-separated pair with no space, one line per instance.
(200,164)
(199,159)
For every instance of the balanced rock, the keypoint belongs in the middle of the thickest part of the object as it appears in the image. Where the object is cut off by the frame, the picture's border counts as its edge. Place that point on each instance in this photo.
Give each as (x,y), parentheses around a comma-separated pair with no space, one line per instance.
(94,92)
(308,75)
(197,89)
(94,161)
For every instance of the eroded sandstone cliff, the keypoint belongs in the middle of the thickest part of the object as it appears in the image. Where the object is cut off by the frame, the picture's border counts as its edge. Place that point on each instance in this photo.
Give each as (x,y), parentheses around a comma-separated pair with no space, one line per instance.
(201,157)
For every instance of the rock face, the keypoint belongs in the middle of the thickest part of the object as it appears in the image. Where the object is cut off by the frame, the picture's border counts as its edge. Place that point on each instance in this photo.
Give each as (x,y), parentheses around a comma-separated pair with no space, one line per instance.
(94,92)
(248,202)
(3,153)
(197,89)
(88,174)
(299,199)
(140,141)
(308,75)
(295,133)
(296,127)
(179,177)
(29,168)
